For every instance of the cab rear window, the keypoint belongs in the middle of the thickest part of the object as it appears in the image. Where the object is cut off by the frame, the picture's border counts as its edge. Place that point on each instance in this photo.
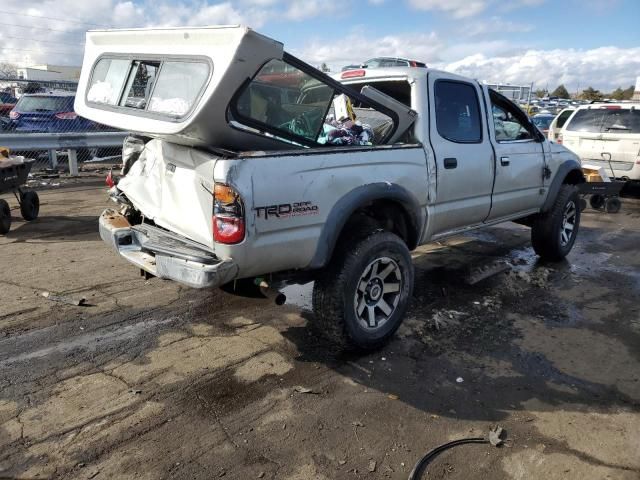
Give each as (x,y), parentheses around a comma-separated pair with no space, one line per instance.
(605,120)
(160,87)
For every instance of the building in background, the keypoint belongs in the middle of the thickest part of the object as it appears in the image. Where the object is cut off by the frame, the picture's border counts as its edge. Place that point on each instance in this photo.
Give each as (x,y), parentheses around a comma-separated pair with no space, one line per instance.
(49,73)
(517,93)
(636,91)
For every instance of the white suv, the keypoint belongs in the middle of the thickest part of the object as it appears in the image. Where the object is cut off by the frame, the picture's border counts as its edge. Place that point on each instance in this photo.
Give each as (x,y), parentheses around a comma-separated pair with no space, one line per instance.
(604,132)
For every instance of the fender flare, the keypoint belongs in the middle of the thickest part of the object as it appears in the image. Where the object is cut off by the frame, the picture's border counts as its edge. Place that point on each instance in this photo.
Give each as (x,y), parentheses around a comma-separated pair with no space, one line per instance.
(357,198)
(564,170)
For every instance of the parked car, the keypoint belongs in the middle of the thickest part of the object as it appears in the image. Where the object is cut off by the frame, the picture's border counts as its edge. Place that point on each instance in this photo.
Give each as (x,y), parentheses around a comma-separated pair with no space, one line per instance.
(337,187)
(7,102)
(542,121)
(607,135)
(558,122)
(48,113)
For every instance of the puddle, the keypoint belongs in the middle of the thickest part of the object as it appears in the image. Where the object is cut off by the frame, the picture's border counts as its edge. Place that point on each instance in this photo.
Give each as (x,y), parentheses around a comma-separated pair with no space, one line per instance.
(299,295)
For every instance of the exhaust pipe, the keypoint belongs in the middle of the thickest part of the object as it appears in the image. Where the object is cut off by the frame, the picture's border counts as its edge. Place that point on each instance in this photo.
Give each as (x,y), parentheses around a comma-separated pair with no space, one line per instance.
(272,294)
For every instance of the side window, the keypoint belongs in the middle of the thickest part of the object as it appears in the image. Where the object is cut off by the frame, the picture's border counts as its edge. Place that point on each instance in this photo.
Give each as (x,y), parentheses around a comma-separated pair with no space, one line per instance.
(563,117)
(458,112)
(285,102)
(508,123)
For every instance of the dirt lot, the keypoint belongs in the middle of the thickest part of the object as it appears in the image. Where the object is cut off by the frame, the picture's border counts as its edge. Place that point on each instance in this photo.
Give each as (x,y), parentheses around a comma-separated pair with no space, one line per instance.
(151,380)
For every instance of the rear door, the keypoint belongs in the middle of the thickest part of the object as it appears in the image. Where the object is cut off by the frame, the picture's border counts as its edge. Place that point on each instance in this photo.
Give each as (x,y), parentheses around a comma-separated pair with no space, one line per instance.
(463,153)
(519,160)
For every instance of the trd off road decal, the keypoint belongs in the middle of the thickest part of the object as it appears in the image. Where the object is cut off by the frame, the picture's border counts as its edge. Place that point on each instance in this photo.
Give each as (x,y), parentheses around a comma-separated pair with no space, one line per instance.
(286,210)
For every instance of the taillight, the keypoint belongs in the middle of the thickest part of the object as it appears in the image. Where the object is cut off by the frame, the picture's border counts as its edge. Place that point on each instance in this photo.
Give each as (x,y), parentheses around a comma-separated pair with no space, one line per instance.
(13,115)
(228,215)
(559,139)
(66,115)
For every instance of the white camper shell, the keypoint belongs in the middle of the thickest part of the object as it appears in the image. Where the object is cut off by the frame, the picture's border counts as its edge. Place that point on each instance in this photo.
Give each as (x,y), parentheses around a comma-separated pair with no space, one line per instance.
(222,87)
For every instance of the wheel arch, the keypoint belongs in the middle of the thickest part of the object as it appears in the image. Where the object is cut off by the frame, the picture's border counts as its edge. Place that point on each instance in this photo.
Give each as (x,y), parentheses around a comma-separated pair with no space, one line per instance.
(382,201)
(569,172)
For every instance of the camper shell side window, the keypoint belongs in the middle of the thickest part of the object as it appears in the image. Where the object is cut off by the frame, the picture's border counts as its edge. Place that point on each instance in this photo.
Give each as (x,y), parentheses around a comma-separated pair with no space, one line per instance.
(290,100)
(162,87)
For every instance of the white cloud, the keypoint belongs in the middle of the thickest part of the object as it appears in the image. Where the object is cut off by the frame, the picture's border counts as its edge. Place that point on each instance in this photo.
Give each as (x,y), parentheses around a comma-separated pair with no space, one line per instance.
(604,68)
(303,9)
(357,47)
(457,8)
(493,26)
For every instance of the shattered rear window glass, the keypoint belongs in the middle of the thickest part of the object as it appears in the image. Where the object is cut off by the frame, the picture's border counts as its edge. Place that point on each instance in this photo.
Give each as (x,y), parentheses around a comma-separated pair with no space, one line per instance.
(285,99)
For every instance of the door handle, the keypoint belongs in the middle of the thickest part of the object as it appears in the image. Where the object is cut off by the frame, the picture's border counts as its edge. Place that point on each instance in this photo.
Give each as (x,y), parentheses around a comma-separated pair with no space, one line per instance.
(504,161)
(450,163)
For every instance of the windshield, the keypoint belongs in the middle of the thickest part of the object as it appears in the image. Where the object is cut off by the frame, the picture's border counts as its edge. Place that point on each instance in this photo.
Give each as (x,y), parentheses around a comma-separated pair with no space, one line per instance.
(6,98)
(605,120)
(45,104)
(542,122)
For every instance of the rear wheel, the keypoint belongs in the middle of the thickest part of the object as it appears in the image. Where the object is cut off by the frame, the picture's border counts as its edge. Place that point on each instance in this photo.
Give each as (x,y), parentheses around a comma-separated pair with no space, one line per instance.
(5,217)
(553,233)
(29,205)
(360,299)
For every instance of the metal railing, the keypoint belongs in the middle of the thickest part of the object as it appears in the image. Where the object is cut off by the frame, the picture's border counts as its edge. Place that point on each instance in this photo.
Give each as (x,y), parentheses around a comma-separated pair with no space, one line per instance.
(55,142)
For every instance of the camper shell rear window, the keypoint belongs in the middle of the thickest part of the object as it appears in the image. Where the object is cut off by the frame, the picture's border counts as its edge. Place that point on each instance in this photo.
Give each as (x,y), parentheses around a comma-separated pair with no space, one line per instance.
(167,87)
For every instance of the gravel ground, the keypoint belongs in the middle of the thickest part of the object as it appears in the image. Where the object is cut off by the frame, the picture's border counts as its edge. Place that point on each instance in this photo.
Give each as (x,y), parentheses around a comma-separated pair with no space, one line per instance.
(152,380)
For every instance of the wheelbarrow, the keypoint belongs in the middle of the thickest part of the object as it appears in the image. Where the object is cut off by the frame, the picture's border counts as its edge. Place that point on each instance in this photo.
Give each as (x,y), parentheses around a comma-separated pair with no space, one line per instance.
(604,193)
(13,176)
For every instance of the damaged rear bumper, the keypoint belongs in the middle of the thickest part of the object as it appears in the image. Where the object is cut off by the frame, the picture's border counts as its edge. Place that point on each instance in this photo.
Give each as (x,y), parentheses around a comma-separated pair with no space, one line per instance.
(164,254)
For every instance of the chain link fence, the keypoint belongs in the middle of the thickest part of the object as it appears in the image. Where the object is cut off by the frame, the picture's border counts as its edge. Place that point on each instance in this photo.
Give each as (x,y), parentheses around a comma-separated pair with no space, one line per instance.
(29,108)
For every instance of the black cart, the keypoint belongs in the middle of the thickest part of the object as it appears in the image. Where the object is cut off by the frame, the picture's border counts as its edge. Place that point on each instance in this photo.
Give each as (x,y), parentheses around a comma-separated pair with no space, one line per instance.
(601,194)
(13,177)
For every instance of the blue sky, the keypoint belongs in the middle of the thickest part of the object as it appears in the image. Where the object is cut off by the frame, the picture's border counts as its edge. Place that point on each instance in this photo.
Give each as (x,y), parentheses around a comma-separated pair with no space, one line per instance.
(576,42)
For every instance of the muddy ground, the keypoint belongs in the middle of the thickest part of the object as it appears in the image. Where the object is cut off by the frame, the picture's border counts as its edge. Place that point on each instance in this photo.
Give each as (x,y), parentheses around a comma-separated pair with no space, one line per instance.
(151,380)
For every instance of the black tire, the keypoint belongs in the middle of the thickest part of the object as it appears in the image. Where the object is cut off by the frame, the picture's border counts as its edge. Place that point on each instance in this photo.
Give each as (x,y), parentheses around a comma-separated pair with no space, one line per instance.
(339,290)
(583,204)
(612,205)
(596,201)
(550,234)
(29,205)
(5,217)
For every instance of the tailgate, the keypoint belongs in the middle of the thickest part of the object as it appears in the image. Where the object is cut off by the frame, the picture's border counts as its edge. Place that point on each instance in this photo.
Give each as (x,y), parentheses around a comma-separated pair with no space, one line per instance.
(171,184)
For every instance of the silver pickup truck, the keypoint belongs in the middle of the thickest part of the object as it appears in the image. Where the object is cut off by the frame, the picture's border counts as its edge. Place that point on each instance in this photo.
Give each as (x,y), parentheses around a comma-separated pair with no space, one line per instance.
(247,163)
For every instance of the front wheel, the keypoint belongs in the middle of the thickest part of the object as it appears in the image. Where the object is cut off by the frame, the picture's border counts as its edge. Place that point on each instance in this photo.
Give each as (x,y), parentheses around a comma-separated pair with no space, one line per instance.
(360,299)
(554,232)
